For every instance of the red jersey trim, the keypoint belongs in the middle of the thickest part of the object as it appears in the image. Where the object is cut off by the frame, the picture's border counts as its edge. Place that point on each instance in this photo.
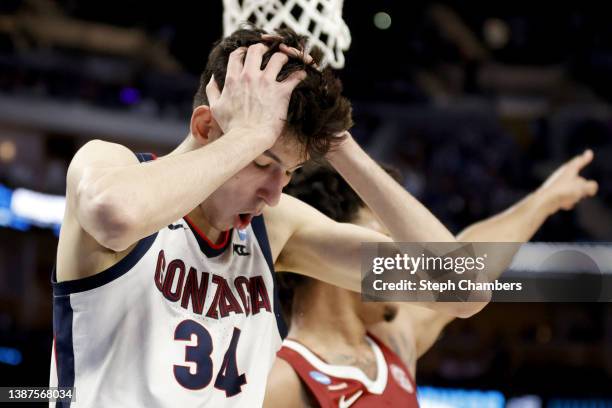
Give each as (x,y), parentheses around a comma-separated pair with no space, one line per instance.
(375,386)
(202,235)
(332,385)
(222,245)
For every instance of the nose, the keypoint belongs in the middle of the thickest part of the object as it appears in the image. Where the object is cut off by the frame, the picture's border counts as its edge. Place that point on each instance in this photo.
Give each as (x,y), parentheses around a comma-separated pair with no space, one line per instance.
(271,191)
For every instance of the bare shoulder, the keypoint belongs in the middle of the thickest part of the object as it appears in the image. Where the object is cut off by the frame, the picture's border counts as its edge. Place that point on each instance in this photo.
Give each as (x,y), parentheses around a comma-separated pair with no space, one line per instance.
(79,254)
(97,153)
(284,387)
(313,244)
(289,210)
(283,220)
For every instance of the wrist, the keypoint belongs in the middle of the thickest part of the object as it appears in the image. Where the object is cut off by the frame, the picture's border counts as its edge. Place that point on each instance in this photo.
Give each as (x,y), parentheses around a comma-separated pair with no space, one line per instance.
(262,136)
(343,148)
(545,202)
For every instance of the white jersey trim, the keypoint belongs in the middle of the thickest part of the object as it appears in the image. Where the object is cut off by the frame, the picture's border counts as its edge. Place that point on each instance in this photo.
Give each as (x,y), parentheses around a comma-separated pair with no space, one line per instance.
(375,387)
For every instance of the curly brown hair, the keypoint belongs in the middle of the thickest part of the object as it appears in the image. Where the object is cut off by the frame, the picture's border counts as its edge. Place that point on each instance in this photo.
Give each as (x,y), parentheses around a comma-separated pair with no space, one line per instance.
(317,110)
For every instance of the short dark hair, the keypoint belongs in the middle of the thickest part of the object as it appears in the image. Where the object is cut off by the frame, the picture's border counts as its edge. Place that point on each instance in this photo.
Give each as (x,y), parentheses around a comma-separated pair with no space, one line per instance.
(317,110)
(323,188)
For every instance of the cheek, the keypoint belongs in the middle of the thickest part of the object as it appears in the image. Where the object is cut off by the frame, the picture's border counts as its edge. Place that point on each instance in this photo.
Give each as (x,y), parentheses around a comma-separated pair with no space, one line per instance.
(250,180)
(227,196)
(241,186)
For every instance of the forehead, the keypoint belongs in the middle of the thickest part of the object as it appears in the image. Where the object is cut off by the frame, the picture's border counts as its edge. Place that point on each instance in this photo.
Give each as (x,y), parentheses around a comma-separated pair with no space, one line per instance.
(289,151)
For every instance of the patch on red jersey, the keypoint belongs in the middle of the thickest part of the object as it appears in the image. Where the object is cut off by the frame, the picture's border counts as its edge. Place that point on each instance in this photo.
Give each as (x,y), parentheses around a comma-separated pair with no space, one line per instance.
(320,377)
(401,378)
(346,402)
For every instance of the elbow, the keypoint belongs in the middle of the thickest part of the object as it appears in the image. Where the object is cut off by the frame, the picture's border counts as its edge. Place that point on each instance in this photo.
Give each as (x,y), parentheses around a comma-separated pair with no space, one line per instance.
(466,310)
(104,216)
(469,310)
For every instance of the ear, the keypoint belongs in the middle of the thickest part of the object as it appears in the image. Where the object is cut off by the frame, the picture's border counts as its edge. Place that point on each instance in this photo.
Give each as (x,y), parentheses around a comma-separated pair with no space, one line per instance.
(202,123)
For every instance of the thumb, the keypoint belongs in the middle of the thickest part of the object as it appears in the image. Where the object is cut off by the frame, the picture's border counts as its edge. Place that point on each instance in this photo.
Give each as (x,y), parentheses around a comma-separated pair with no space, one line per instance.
(591,188)
(212,91)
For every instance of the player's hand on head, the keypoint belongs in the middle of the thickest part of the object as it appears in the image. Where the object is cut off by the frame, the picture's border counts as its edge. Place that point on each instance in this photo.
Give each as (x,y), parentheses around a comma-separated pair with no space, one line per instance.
(290,51)
(566,187)
(252,97)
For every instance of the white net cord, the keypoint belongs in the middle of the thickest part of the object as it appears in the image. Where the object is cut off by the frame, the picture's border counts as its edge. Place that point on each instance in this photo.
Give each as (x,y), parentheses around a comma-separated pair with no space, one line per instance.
(320,20)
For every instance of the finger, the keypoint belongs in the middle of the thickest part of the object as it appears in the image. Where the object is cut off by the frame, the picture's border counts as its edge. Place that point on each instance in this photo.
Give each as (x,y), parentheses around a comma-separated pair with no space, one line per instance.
(294,79)
(580,161)
(294,52)
(212,91)
(254,55)
(271,37)
(590,188)
(234,64)
(276,63)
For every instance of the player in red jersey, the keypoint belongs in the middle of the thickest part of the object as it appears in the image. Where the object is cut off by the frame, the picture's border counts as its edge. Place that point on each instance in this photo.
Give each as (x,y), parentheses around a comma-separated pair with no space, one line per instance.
(341,352)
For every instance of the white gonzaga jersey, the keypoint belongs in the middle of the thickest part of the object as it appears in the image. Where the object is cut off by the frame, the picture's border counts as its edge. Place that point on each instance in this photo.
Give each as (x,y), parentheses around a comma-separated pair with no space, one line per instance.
(178,322)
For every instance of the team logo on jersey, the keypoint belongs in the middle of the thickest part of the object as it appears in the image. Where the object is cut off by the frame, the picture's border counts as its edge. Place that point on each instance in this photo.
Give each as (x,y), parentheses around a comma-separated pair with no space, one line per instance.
(176,226)
(345,403)
(320,377)
(241,250)
(242,234)
(401,378)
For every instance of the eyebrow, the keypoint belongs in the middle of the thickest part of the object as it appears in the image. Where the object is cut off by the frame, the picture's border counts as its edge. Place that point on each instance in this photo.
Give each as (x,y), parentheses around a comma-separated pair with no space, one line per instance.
(274,157)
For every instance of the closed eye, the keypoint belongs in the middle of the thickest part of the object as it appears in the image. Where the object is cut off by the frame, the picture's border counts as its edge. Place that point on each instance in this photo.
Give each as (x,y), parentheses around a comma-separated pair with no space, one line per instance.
(261,166)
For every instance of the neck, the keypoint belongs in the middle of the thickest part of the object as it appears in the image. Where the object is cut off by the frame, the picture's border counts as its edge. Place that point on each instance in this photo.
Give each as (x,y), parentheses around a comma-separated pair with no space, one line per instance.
(198,218)
(325,317)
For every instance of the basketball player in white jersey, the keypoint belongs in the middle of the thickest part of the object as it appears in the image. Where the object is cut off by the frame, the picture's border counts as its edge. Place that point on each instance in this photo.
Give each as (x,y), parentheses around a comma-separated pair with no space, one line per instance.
(164,288)
(341,352)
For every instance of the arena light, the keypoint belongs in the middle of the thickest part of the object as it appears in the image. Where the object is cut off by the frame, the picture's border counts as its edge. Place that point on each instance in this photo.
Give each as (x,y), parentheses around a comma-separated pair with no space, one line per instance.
(22,208)
(129,96)
(382,20)
(8,151)
(434,397)
(40,209)
(10,356)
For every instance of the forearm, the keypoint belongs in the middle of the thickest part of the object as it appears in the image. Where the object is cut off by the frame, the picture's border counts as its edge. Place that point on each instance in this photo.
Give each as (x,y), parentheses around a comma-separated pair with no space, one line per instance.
(403,215)
(150,196)
(516,224)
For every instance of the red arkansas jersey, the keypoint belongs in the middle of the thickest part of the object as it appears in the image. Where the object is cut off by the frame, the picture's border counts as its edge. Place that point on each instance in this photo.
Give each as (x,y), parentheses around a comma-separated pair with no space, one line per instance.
(335,386)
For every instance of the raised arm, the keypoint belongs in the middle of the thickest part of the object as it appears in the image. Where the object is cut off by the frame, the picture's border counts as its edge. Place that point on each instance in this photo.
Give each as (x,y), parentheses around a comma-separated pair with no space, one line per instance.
(305,241)
(416,328)
(403,215)
(118,201)
(561,191)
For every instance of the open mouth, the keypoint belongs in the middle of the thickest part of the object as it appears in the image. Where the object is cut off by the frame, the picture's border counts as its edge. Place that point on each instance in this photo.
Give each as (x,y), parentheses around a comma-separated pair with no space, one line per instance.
(243,220)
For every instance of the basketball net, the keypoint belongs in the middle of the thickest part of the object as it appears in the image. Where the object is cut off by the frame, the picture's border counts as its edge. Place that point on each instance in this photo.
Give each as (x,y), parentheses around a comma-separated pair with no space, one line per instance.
(320,20)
